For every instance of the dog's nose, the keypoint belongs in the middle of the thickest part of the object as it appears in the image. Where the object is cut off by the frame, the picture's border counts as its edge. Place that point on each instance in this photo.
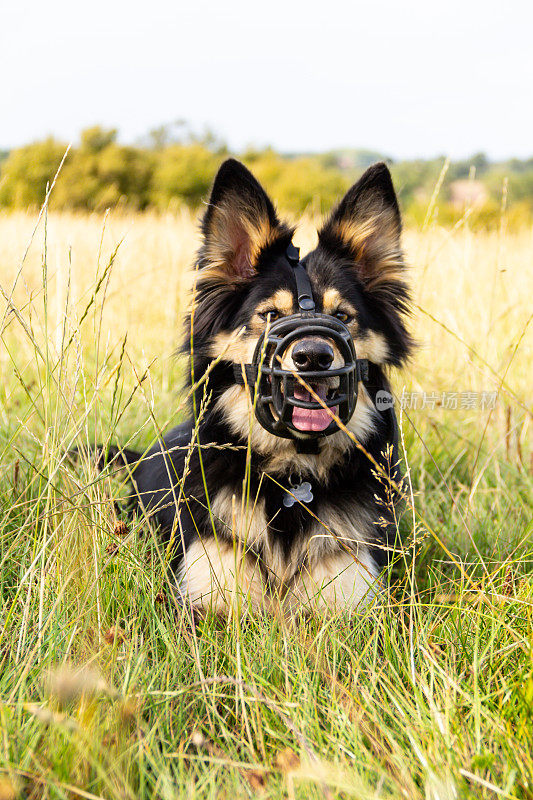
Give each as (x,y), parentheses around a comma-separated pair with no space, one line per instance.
(312,354)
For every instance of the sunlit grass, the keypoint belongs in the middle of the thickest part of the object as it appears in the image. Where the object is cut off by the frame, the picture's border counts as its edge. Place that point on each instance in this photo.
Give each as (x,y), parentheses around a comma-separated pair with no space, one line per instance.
(425,694)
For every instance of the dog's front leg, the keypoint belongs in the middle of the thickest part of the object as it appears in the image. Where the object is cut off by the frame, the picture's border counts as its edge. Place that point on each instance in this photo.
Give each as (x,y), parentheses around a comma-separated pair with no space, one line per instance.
(338,581)
(216,575)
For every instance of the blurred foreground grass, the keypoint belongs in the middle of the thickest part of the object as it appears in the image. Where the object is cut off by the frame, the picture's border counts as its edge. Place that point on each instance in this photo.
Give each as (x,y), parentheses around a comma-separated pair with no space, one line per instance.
(107,692)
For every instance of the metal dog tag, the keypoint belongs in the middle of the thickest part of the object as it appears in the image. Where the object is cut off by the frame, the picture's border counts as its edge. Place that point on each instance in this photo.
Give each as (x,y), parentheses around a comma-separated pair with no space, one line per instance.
(303,493)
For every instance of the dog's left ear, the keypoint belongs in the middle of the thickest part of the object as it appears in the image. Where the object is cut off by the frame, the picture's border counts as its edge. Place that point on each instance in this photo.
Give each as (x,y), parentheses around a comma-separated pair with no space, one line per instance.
(239,224)
(366,226)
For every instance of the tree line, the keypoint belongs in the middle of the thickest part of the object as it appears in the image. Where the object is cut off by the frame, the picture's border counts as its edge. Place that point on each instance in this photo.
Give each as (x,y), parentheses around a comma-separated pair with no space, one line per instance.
(171,169)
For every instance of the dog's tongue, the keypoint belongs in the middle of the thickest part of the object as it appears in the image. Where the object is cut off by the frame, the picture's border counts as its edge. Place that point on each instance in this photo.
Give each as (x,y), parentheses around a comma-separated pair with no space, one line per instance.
(309,419)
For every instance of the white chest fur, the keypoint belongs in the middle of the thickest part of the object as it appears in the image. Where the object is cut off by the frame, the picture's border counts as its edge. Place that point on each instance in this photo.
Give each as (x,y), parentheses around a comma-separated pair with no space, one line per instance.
(246,567)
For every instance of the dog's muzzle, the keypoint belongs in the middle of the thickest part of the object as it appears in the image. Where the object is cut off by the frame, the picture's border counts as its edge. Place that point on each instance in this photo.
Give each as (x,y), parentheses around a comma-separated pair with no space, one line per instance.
(285,400)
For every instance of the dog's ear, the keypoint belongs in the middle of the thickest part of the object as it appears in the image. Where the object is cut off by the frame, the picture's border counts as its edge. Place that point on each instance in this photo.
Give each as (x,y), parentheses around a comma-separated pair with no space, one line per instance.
(239,224)
(366,227)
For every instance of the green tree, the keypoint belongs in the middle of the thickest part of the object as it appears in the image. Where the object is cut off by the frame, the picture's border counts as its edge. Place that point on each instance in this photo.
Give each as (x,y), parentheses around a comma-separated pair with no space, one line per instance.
(27,171)
(96,139)
(102,173)
(304,184)
(182,172)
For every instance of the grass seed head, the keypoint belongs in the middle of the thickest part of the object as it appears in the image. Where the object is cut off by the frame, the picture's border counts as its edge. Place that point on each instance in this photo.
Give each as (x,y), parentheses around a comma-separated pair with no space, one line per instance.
(115,634)
(121,529)
(67,684)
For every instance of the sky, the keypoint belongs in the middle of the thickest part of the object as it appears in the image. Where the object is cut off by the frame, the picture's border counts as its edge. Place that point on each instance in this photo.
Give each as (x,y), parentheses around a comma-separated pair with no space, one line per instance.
(408,79)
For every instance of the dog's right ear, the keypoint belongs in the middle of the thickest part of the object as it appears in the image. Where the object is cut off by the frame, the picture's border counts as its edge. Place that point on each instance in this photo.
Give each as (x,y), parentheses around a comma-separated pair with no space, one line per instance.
(239,224)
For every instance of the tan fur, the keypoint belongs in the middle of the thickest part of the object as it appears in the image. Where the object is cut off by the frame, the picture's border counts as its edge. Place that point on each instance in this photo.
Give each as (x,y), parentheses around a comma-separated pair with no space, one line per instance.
(333,301)
(249,527)
(372,346)
(354,233)
(332,567)
(339,529)
(214,575)
(245,522)
(236,405)
(234,221)
(239,349)
(282,302)
(375,243)
(339,581)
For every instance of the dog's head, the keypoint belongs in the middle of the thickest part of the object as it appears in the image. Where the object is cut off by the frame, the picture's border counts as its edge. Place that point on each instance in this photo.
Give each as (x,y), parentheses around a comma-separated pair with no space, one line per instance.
(245,283)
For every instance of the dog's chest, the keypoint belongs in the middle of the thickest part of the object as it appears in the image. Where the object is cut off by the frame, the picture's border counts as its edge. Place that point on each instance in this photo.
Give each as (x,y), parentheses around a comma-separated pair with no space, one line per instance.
(280,510)
(285,524)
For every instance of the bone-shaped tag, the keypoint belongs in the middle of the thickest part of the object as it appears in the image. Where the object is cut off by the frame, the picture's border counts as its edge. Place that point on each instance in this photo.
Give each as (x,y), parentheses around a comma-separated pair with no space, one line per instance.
(302,493)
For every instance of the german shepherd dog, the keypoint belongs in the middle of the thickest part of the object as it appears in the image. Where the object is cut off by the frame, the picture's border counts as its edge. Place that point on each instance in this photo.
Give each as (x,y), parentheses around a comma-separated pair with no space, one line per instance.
(280,489)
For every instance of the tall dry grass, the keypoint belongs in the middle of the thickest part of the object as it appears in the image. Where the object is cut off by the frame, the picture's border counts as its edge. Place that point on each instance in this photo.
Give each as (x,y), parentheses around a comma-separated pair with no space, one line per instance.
(475,283)
(427,694)
(470,293)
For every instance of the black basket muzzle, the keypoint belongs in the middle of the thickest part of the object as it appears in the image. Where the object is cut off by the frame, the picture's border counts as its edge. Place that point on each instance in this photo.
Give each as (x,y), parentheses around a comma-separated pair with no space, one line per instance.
(272,385)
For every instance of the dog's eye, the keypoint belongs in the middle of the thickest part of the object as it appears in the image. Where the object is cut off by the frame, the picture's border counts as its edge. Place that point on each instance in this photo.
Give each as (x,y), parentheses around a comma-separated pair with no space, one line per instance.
(343,316)
(271,315)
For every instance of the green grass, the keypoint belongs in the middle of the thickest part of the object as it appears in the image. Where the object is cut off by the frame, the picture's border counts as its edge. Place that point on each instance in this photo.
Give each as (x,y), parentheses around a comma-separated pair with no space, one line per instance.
(107,689)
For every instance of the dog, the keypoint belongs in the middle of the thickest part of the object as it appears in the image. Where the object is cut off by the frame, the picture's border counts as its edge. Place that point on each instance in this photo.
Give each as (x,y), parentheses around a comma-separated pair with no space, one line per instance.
(281,489)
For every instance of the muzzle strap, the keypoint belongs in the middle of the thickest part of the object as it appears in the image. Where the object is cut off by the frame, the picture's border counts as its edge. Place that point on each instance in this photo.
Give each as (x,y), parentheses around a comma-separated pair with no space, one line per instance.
(303,284)
(250,371)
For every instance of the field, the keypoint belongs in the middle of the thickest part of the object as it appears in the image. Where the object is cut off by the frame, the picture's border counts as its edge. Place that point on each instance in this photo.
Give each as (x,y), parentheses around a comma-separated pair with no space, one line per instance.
(107,692)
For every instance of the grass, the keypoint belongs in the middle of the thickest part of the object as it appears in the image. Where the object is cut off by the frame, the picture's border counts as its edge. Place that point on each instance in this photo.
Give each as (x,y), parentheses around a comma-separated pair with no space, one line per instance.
(107,692)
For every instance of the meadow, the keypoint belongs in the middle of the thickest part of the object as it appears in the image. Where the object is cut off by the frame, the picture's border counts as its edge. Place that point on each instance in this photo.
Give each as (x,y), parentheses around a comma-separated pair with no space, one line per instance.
(107,691)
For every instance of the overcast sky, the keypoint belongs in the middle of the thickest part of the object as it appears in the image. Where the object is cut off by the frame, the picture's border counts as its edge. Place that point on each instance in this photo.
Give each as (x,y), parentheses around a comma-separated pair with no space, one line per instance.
(406,78)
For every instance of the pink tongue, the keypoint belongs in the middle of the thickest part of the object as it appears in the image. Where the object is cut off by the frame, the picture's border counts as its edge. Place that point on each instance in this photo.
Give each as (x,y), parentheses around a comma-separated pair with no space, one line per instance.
(307,419)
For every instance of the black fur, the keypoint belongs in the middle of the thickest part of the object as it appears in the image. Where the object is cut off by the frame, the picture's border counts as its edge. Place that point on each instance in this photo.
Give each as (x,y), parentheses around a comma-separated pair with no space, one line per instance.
(225,302)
